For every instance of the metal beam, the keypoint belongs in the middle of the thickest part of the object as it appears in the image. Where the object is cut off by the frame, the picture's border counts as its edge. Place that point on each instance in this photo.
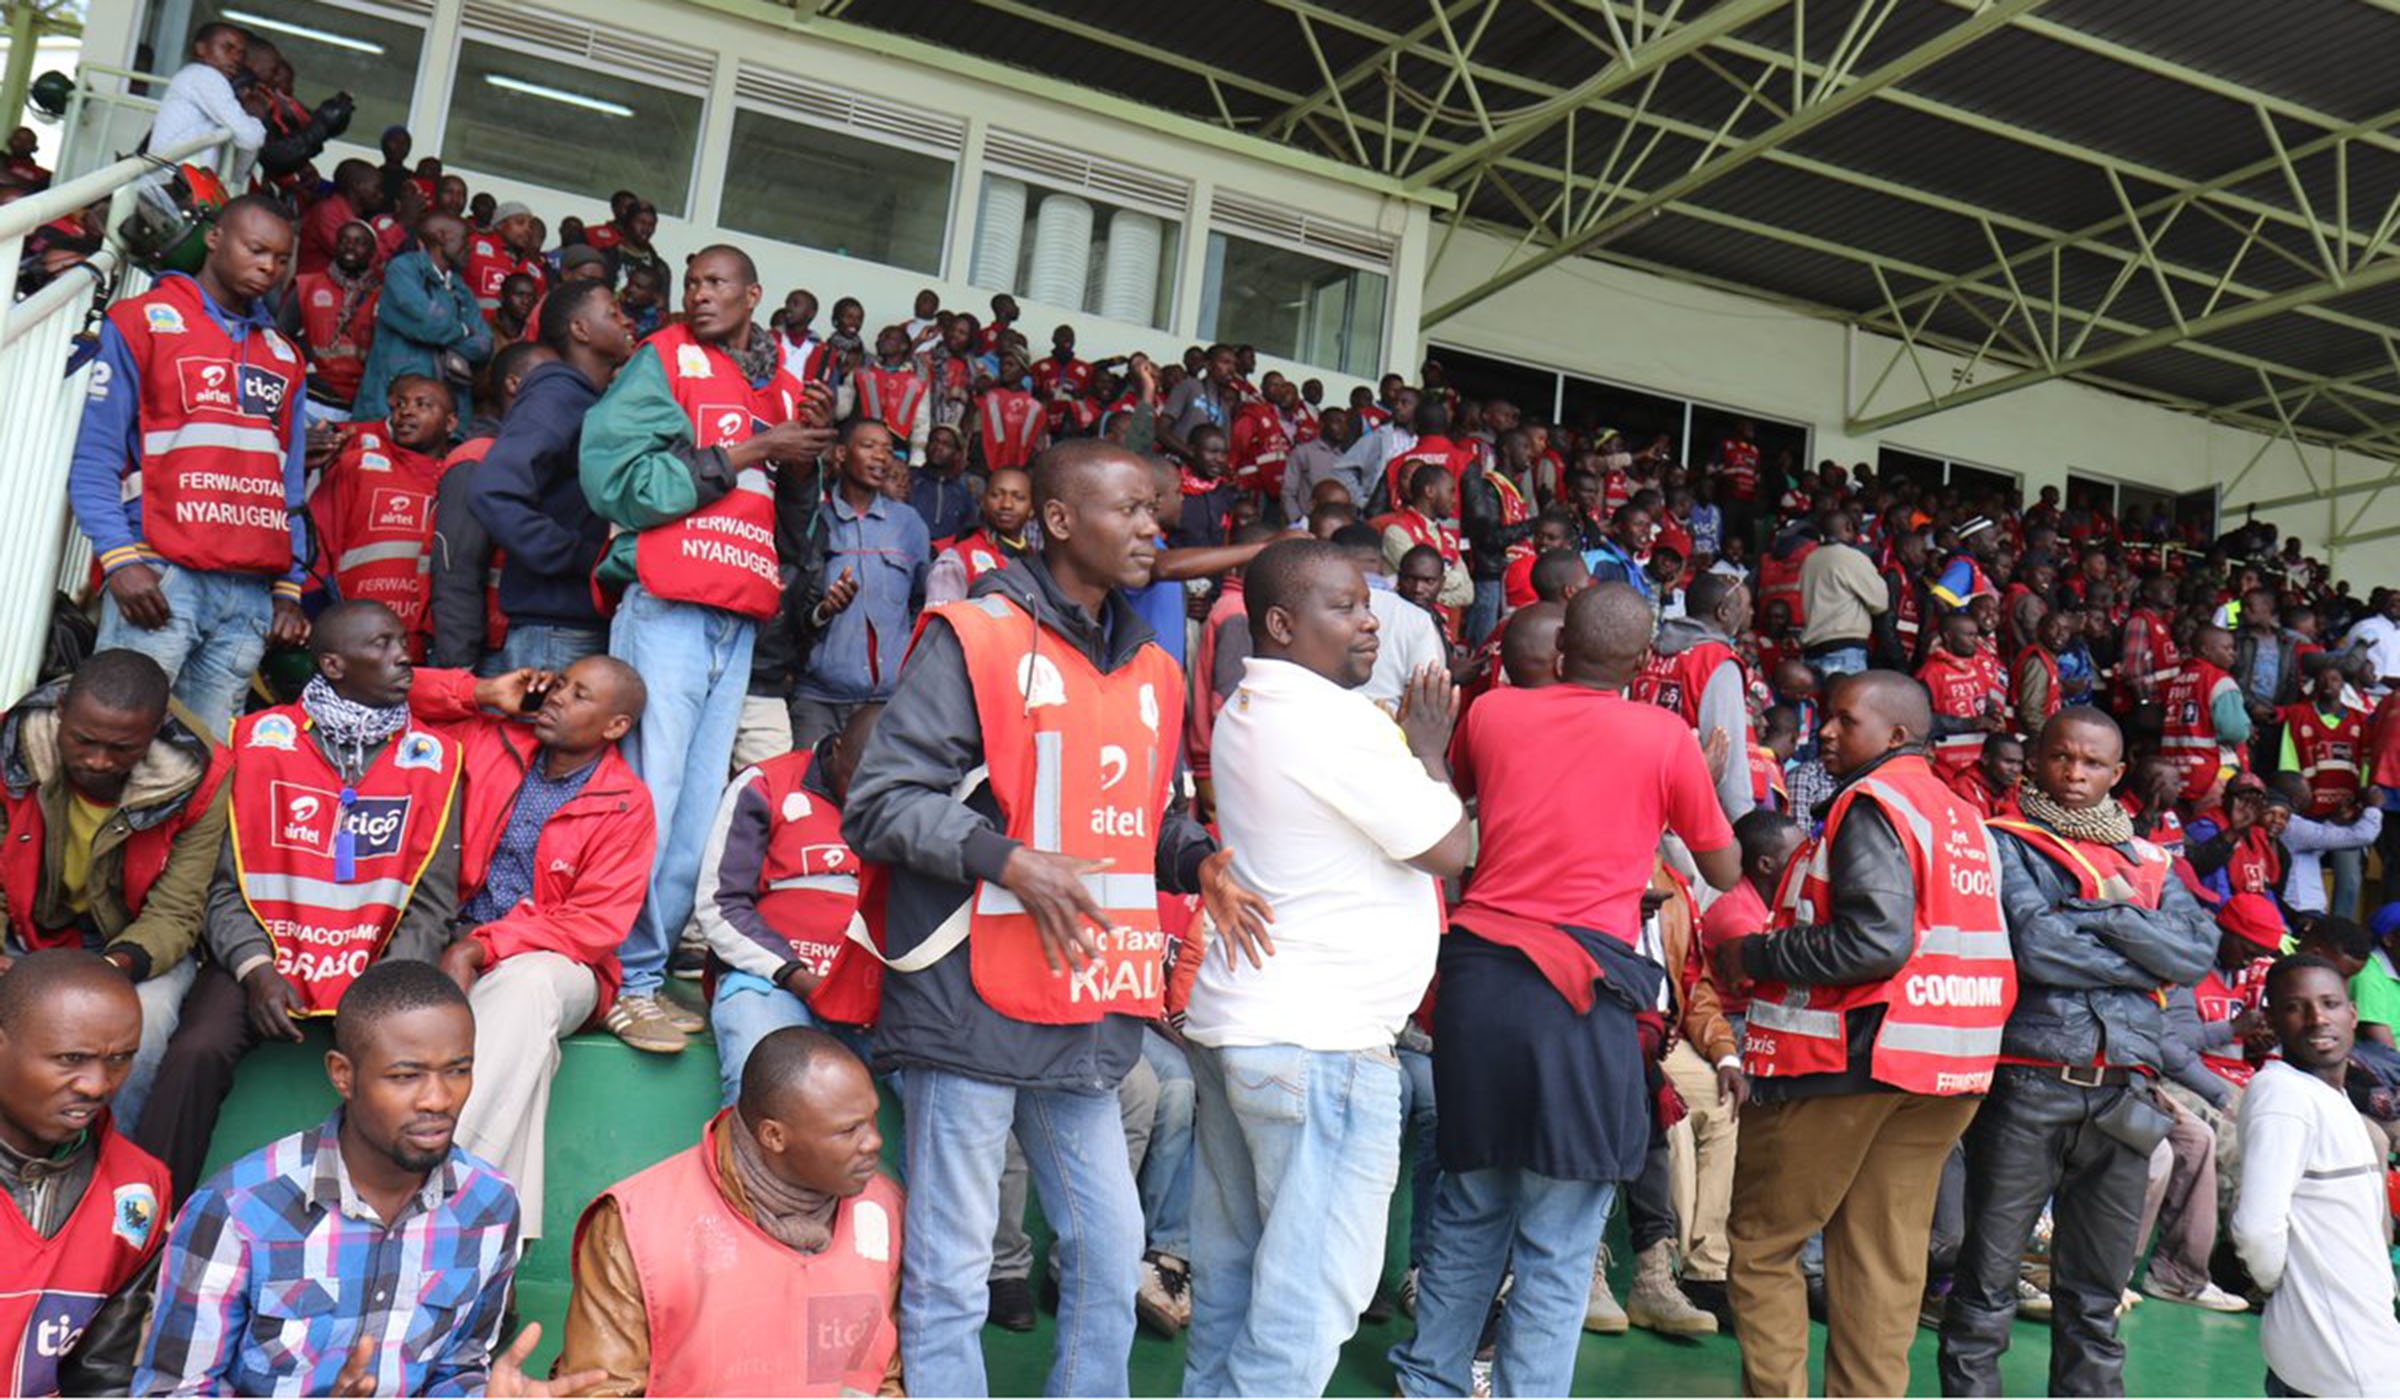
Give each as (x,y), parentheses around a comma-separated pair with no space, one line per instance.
(1644,59)
(1996,15)
(2363,279)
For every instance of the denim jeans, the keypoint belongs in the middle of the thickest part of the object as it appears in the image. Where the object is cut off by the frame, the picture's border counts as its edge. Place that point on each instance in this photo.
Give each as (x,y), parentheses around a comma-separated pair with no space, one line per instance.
(1483,614)
(746,1010)
(214,637)
(1166,1176)
(1425,1168)
(548,646)
(955,1140)
(696,661)
(2349,873)
(1839,661)
(1487,1222)
(1299,1151)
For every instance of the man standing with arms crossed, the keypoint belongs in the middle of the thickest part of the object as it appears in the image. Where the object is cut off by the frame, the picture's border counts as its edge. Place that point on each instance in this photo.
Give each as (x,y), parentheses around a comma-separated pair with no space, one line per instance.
(1880,996)
(680,454)
(1345,823)
(1045,700)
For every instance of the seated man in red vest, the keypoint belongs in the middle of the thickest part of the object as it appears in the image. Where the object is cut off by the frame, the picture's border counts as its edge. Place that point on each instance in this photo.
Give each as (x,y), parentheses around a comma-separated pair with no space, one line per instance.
(86,1209)
(555,855)
(343,851)
(778,889)
(1010,424)
(2098,923)
(1007,506)
(374,504)
(1863,1075)
(112,813)
(798,1289)
(1990,784)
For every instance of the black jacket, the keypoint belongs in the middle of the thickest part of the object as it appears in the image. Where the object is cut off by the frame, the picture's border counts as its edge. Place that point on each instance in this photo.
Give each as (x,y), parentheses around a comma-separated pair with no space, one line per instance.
(2089,972)
(462,558)
(1479,512)
(901,812)
(1868,934)
(528,494)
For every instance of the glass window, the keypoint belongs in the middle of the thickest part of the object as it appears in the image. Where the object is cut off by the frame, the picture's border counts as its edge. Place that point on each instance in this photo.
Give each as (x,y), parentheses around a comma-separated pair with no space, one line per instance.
(1074,251)
(1293,304)
(331,49)
(570,127)
(830,190)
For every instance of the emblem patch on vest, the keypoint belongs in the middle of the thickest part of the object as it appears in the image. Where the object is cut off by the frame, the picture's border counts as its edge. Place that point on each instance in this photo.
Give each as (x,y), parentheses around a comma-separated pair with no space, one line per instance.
(873,1231)
(134,1214)
(795,806)
(163,319)
(273,732)
(1149,700)
(1040,683)
(691,362)
(418,750)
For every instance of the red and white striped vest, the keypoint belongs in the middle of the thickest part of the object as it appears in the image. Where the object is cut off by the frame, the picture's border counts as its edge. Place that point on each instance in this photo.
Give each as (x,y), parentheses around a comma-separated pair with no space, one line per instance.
(722,555)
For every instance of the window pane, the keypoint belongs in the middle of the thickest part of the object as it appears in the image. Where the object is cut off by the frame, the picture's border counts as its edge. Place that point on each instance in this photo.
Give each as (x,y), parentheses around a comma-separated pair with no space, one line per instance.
(825,189)
(331,50)
(1292,304)
(570,128)
(1073,250)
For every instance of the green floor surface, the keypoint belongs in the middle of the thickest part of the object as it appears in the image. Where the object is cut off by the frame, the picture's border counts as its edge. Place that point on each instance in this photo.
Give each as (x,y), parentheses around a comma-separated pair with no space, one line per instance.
(614,1111)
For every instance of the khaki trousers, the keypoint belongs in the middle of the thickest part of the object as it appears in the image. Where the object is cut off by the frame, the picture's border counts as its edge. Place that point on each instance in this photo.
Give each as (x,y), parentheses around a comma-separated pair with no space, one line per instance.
(1864,1169)
(1700,1165)
(522,1009)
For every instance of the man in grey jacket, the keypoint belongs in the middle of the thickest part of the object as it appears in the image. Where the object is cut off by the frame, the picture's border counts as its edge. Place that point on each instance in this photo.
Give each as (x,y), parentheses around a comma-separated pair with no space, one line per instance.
(1717,609)
(2098,925)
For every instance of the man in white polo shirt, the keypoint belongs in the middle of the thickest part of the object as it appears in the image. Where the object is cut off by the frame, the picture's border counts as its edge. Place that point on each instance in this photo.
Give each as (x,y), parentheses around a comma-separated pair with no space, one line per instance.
(1343,821)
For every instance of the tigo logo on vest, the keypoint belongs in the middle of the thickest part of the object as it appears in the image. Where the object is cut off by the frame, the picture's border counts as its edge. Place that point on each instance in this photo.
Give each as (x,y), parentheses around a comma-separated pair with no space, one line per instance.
(305,820)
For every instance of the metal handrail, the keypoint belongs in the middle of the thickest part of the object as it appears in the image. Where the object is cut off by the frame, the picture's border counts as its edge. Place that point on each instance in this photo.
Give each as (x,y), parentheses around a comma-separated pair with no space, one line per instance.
(25,215)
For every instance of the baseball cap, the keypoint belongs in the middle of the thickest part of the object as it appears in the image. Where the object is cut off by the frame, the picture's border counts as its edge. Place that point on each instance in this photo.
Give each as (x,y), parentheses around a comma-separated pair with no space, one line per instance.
(2255,920)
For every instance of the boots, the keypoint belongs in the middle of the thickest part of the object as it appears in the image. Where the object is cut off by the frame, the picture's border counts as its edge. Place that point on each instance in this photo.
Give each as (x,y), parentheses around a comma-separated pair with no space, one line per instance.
(1601,1313)
(1657,1304)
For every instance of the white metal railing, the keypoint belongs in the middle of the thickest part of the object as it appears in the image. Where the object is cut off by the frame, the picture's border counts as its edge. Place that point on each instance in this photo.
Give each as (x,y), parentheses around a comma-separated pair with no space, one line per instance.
(105,118)
(41,406)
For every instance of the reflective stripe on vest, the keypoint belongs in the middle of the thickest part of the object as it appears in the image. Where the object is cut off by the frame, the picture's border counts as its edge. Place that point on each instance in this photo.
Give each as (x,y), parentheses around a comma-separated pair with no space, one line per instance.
(835,884)
(723,554)
(386,550)
(324,894)
(162,441)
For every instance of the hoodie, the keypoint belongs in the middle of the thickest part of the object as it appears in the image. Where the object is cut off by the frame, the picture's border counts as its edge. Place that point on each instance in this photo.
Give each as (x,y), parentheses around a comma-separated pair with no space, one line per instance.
(529,496)
(1723,705)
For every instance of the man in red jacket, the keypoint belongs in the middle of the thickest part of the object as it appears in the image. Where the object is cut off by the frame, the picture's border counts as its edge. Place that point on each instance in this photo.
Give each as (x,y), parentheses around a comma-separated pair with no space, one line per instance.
(556,843)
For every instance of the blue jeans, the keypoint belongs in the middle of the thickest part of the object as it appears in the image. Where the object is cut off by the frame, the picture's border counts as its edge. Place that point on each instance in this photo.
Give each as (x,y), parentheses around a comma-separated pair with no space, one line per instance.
(1425,1168)
(1487,1222)
(215,634)
(1484,613)
(1166,1176)
(1299,1151)
(746,1010)
(697,663)
(548,646)
(1840,661)
(955,1142)
(2349,873)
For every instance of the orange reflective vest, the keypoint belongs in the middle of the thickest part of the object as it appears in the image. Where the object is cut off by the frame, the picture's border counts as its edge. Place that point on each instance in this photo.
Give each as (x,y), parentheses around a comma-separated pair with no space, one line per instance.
(1945,1008)
(723,554)
(733,1311)
(327,866)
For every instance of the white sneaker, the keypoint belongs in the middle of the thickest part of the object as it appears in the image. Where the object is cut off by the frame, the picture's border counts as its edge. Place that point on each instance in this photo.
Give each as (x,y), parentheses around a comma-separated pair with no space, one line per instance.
(1481,1371)
(2210,1296)
(2032,1302)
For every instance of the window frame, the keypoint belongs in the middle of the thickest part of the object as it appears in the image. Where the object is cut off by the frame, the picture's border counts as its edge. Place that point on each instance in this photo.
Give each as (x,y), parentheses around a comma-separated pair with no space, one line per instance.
(469,32)
(1204,327)
(955,157)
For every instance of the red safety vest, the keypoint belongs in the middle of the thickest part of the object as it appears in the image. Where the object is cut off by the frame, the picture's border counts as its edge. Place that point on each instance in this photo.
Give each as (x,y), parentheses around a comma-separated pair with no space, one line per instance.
(1452,457)
(373,508)
(2164,658)
(891,397)
(733,1311)
(1945,1007)
(808,884)
(979,553)
(1907,610)
(1961,687)
(1258,447)
(1779,577)
(1011,422)
(215,419)
(490,264)
(2329,755)
(1675,682)
(2052,703)
(56,1286)
(1766,778)
(2100,871)
(327,878)
(1737,462)
(145,850)
(495,622)
(2253,867)
(1974,787)
(2188,731)
(722,555)
(1514,510)
(1200,716)
(338,324)
(2221,999)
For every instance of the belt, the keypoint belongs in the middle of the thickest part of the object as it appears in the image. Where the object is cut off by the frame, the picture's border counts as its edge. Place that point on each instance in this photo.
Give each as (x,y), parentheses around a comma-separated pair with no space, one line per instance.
(2087,1076)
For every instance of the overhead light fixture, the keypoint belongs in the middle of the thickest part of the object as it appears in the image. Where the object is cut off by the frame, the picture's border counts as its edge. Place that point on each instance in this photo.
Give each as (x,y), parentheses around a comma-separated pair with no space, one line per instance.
(303,31)
(550,94)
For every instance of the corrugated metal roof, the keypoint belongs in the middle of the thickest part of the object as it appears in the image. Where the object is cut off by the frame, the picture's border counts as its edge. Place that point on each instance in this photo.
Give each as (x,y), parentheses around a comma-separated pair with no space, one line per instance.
(2020,127)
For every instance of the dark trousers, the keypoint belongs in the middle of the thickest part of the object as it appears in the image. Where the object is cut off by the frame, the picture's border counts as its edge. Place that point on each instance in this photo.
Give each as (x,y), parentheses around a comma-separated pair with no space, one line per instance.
(1650,1200)
(2035,1142)
(195,1077)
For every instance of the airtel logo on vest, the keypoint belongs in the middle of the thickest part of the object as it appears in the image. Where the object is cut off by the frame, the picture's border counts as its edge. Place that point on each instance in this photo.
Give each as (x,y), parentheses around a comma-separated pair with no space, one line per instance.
(305,820)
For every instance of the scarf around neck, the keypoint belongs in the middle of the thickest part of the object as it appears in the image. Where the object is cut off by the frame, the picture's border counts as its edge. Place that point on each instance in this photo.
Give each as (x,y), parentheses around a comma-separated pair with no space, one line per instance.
(797,1217)
(2108,823)
(347,727)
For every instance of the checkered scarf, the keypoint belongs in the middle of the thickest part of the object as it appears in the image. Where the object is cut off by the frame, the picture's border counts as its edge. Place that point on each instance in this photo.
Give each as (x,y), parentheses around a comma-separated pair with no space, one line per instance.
(348,728)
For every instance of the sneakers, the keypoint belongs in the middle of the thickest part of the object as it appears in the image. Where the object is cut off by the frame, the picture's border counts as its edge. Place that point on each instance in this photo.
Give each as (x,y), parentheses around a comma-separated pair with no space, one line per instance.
(641,1021)
(1656,1304)
(2210,1296)
(680,1016)
(1479,1373)
(1408,1292)
(1600,1312)
(2127,1301)
(1164,1300)
(1012,1305)
(2032,1302)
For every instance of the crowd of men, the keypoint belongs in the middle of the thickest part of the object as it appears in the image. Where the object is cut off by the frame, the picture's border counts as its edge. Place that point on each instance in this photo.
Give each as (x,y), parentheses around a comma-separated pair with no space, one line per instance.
(1184,795)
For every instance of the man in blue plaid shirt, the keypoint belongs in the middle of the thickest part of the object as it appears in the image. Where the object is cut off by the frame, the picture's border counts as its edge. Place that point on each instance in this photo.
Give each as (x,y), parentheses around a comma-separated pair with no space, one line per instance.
(365,1256)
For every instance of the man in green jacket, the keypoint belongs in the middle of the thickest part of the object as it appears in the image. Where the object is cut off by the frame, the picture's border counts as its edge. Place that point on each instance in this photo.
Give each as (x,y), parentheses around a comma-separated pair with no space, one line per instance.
(112,811)
(681,455)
